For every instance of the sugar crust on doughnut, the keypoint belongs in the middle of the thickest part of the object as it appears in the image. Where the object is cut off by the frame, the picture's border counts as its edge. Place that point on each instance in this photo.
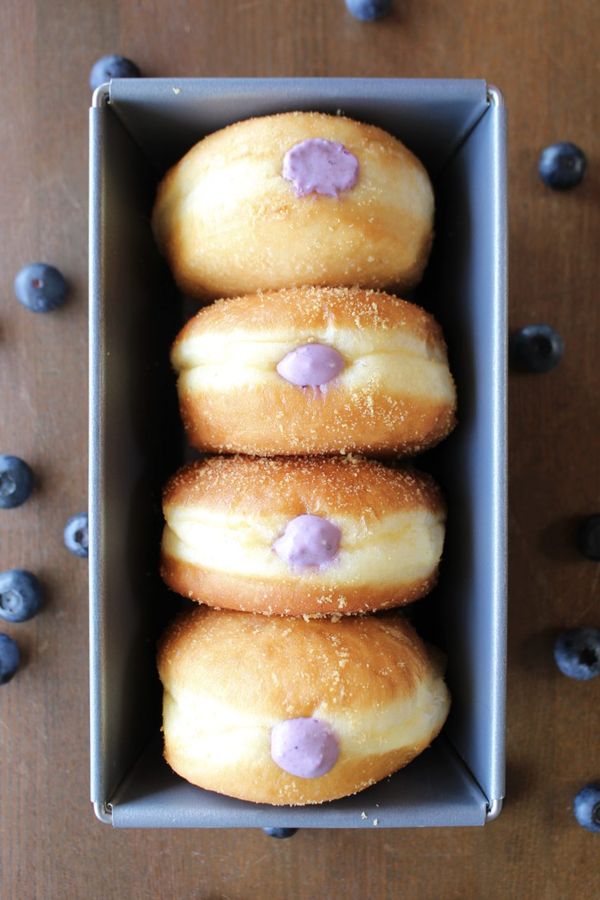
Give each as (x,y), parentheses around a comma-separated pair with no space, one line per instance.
(394,395)
(229,223)
(230,677)
(224,514)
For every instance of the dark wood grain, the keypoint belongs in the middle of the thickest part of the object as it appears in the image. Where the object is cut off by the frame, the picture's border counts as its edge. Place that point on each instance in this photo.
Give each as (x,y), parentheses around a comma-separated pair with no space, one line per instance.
(544,57)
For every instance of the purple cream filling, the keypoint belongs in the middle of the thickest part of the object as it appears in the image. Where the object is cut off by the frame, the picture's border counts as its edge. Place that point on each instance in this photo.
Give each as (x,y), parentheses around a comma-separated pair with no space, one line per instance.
(317,166)
(304,747)
(311,365)
(308,542)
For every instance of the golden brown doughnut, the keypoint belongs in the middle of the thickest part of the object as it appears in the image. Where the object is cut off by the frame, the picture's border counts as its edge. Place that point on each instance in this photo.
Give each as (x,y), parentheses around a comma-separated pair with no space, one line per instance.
(288,712)
(391,391)
(229,219)
(301,537)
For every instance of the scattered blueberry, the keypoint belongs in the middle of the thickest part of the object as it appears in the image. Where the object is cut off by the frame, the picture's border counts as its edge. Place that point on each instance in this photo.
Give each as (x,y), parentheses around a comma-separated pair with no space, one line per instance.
(114,66)
(586,806)
(40,287)
(76,534)
(588,537)
(20,595)
(16,481)
(368,10)
(9,658)
(536,348)
(562,166)
(577,653)
(280,832)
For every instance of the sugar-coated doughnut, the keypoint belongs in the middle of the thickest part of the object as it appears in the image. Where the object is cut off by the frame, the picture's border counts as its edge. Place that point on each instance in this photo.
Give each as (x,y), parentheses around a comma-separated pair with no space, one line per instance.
(288,712)
(314,370)
(301,537)
(295,198)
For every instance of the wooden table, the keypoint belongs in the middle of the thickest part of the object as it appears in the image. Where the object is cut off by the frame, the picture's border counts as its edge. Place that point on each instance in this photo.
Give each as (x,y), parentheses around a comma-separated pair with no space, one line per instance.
(544,57)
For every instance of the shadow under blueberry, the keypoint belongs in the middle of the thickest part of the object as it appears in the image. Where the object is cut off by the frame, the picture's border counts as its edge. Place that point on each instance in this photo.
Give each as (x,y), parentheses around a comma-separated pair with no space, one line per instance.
(558,541)
(535,654)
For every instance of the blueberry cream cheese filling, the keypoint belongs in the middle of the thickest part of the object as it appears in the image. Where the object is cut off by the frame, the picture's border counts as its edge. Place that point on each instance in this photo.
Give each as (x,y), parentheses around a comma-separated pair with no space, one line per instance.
(311,365)
(317,166)
(308,542)
(304,747)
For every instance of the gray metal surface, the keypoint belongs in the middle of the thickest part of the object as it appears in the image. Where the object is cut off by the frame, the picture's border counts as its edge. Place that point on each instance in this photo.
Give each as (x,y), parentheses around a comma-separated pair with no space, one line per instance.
(435,790)
(133,315)
(135,440)
(467,287)
(167,116)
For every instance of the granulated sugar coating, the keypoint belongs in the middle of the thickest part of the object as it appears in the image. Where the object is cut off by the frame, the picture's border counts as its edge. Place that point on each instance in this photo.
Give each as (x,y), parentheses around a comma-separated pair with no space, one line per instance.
(347,485)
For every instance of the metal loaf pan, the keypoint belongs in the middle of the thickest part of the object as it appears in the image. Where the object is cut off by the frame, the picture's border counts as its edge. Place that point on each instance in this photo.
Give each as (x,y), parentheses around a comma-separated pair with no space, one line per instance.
(138,128)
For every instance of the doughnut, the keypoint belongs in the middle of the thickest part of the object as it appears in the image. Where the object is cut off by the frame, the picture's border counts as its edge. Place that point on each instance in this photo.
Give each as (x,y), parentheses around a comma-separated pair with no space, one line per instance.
(288,712)
(314,371)
(301,537)
(295,198)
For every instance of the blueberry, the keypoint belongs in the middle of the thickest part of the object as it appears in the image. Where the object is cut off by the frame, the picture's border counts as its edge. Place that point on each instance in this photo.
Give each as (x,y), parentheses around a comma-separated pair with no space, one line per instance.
(586,806)
(562,166)
(588,537)
(280,832)
(76,534)
(16,481)
(20,595)
(368,10)
(9,658)
(114,66)
(40,287)
(536,348)
(577,653)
